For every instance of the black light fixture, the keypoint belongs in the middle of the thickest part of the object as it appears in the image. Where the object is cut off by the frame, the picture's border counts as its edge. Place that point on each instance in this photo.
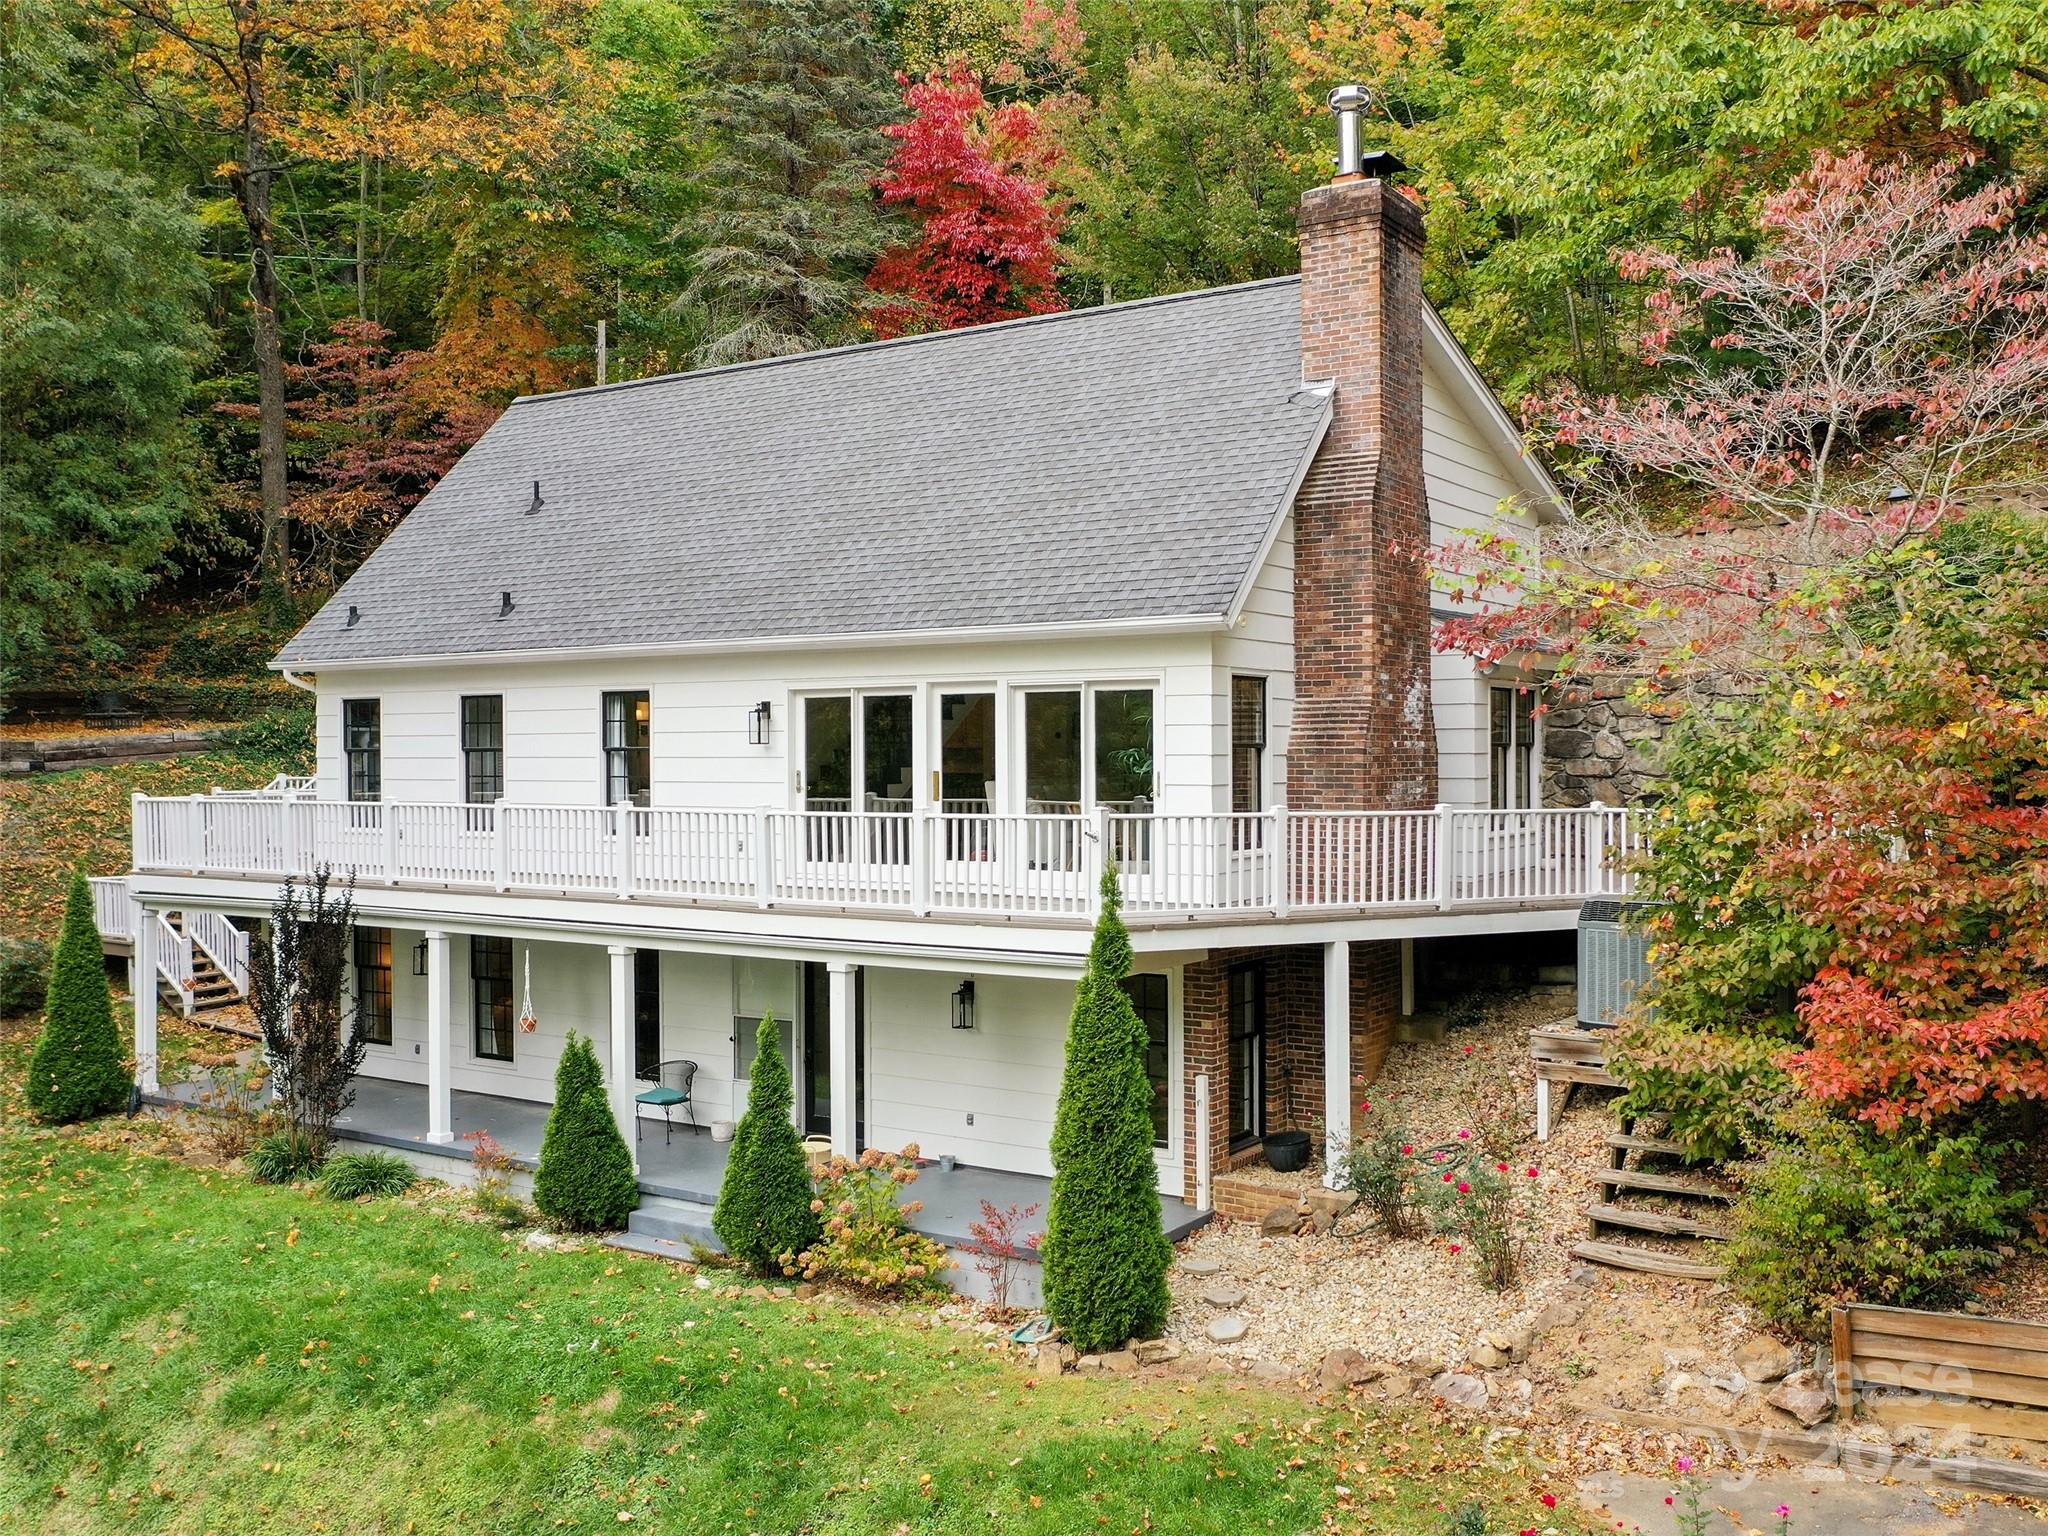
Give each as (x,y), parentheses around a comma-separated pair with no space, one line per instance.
(419,957)
(757,725)
(963,1005)
(504,604)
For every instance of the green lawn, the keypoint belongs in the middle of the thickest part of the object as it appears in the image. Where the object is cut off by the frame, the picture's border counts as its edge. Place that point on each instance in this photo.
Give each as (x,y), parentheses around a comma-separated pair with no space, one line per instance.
(184,1350)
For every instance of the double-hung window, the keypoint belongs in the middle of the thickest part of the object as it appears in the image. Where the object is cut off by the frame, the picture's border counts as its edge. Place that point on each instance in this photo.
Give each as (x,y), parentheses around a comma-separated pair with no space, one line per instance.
(1511,740)
(647,1014)
(1148,994)
(373,984)
(362,737)
(628,765)
(490,972)
(483,748)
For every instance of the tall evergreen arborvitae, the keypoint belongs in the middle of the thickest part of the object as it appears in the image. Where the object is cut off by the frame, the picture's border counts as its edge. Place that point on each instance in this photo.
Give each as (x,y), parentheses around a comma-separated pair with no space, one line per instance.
(795,93)
(1105,1252)
(585,1178)
(78,1069)
(764,1205)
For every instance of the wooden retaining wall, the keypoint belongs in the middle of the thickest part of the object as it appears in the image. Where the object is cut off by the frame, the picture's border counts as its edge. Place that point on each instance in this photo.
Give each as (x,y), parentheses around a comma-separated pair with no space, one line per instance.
(1944,1355)
(54,754)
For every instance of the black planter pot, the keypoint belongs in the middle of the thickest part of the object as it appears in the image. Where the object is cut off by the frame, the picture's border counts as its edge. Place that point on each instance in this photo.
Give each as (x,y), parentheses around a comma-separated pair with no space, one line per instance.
(1287,1151)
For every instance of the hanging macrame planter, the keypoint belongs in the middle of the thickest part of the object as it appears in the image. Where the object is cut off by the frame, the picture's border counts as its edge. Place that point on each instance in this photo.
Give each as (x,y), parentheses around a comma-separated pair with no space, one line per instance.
(527,1022)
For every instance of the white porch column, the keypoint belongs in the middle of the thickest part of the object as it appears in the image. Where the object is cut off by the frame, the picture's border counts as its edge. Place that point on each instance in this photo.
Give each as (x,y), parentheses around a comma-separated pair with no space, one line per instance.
(620,1078)
(440,1042)
(1336,1055)
(142,988)
(839,975)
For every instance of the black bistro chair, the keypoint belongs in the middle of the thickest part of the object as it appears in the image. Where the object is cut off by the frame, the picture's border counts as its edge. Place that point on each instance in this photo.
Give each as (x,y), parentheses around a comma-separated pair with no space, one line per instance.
(672,1087)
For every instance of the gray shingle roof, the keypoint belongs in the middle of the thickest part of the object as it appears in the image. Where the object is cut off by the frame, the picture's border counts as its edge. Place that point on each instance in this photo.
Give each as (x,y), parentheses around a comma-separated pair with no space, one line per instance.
(1107,464)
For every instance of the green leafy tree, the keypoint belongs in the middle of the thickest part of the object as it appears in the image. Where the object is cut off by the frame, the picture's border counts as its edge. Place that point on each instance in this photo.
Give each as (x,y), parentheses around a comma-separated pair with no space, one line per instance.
(795,93)
(78,1069)
(764,1214)
(100,331)
(585,1179)
(1105,1250)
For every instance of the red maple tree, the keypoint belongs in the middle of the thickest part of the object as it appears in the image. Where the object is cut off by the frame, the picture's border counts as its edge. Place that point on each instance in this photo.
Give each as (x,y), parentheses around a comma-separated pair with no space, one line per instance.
(974,177)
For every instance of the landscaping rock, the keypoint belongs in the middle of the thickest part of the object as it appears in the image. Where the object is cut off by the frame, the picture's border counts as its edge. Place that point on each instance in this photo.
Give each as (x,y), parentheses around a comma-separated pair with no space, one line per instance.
(1332,1202)
(1156,1351)
(1273,1372)
(539,1239)
(1342,1368)
(1513,1342)
(1228,1327)
(1425,1365)
(1224,1292)
(1280,1221)
(1763,1358)
(1485,1357)
(1056,1357)
(1460,1390)
(1396,1384)
(1120,1361)
(1802,1396)
(1088,1363)
(1192,1265)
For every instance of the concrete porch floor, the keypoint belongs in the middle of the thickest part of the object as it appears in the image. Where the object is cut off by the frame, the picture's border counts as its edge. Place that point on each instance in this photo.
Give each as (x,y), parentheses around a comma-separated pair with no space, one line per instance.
(689,1167)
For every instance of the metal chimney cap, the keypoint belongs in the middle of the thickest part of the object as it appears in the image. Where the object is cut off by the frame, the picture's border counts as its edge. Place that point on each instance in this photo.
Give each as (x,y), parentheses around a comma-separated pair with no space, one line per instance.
(1350,98)
(1347,101)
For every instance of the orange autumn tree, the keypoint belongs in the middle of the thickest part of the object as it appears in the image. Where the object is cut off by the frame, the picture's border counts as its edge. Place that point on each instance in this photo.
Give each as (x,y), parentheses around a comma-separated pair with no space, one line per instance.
(490,87)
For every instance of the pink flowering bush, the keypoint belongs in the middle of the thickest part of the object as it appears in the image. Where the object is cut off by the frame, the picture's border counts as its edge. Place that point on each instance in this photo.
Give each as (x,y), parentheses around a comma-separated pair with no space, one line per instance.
(867,1241)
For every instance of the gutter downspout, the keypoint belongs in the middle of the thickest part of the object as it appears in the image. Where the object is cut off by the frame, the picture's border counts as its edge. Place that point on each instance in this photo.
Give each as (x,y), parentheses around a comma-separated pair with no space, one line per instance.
(297,681)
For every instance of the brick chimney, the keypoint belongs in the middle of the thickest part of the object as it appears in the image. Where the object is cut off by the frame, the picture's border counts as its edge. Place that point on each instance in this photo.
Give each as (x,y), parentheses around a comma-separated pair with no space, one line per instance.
(1363,734)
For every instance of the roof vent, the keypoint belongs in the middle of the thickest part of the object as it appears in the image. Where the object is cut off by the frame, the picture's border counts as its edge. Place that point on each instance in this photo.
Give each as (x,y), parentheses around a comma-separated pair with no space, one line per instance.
(537,503)
(504,604)
(354,613)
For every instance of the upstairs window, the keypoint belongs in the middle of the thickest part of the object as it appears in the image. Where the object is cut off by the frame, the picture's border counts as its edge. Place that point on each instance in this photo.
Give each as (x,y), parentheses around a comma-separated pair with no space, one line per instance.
(1247,743)
(373,984)
(1511,738)
(362,739)
(628,760)
(483,749)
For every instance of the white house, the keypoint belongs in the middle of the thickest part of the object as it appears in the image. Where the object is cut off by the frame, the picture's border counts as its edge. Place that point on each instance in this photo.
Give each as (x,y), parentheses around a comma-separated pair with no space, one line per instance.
(825,686)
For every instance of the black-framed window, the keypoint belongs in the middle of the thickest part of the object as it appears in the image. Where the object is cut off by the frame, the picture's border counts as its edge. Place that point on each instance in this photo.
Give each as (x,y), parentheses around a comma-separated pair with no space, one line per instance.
(483,748)
(490,974)
(647,1014)
(1247,1052)
(362,737)
(1247,743)
(1511,738)
(373,984)
(628,760)
(1149,996)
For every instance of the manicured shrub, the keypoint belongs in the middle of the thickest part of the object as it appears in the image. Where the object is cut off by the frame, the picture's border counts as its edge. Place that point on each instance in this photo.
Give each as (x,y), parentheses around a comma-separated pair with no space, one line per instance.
(24,975)
(353,1175)
(79,1068)
(1105,1250)
(1381,1168)
(867,1241)
(585,1181)
(282,1157)
(765,1204)
(1845,1214)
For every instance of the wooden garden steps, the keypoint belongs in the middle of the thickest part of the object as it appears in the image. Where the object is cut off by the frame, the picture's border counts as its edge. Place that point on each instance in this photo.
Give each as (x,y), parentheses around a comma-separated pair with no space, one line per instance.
(1651,1261)
(1625,1142)
(1664,1223)
(1662,1184)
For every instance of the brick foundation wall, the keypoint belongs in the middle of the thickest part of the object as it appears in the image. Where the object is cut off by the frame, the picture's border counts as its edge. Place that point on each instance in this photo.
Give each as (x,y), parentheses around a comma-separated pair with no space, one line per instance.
(1363,734)
(1294,1040)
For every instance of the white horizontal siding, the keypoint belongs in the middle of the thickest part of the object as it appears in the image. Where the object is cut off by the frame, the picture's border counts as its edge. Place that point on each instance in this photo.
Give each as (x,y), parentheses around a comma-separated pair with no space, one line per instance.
(1262,646)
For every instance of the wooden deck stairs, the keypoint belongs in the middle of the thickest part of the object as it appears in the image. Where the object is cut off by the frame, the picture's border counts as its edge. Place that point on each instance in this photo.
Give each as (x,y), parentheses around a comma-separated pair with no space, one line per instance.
(1663,1203)
(211,986)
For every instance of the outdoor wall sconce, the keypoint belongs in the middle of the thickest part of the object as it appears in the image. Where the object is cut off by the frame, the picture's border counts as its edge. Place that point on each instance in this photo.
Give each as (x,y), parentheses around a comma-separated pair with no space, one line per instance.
(419,958)
(757,724)
(963,1005)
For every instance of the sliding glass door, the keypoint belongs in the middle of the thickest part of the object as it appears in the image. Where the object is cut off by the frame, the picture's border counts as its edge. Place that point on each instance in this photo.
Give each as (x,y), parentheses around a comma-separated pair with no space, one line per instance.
(857,756)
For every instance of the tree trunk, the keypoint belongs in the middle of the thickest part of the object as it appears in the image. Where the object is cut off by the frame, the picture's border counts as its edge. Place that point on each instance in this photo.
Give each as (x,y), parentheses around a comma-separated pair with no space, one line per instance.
(253,183)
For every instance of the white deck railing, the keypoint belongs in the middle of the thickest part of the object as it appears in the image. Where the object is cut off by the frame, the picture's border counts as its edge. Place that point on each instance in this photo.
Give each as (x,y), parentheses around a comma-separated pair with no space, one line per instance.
(917,863)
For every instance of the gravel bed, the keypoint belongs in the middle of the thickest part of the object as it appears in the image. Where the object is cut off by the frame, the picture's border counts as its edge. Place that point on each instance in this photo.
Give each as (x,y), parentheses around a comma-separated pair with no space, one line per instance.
(1397,1300)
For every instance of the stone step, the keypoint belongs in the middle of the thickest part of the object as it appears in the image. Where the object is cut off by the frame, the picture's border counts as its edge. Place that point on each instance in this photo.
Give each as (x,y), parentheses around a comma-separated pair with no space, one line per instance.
(1667,1223)
(1689,1186)
(1645,1260)
(681,1222)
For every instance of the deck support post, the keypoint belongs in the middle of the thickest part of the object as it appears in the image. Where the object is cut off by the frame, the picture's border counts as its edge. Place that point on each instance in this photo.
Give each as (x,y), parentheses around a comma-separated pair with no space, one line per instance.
(1336,1056)
(839,979)
(619,1079)
(1203,1191)
(440,1023)
(142,988)
(1407,978)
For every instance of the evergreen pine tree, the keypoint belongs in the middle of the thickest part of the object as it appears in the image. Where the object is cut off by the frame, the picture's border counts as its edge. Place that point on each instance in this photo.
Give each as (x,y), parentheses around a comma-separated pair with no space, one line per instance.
(764,1205)
(79,1068)
(1105,1250)
(585,1179)
(796,92)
